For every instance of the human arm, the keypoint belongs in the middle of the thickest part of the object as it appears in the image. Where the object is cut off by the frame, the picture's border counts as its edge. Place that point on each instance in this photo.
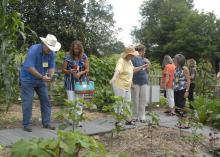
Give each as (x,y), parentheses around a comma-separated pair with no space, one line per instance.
(187,76)
(116,73)
(193,74)
(136,69)
(167,77)
(30,63)
(86,69)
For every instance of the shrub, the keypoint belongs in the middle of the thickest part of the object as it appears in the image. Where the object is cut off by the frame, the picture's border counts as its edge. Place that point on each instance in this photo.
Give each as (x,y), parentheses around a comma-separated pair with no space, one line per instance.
(208,110)
(101,71)
(205,79)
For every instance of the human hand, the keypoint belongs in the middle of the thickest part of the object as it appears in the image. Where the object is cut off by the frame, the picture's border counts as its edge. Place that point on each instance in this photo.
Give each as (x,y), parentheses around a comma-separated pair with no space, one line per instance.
(145,66)
(46,78)
(186,94)
(72,71)
(112,81)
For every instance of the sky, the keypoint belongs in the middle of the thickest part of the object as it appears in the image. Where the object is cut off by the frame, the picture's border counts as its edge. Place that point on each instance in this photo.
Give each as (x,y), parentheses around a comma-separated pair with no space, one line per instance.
(126,14)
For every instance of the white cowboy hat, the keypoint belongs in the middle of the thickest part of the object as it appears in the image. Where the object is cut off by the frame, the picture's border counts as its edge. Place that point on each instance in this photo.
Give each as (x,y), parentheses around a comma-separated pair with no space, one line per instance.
(51,42)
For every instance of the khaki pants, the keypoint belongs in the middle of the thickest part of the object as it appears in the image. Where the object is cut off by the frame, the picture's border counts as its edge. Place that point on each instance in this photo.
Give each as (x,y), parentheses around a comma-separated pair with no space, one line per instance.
(140,99)
(125,94)
(71,95)
(170,97)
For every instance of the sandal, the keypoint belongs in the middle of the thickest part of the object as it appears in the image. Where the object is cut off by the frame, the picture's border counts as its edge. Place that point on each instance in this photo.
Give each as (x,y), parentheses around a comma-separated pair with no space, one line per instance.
(171,114)
(134,120)
(167,112)
(183,127)
(129,122)
(143,121)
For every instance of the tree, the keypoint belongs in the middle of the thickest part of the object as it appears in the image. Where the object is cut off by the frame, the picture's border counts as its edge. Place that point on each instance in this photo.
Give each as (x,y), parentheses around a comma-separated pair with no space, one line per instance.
(11,29)
(197,36)
(170,27)
(100,26)
(88,21)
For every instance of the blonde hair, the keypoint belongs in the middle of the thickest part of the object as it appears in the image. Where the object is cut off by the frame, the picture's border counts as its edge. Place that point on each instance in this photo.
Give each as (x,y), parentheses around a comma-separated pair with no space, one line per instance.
(191,63)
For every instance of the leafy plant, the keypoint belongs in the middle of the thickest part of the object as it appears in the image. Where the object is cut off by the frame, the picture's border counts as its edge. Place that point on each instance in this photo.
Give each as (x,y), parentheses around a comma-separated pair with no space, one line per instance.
(120,110)
(163,101)
(214,112)
(72,112)
(11,32)
(102,69)
(205,79)
(68,144)
(154,121)
(200,105)
(170,154)
(103,97)
(58,93)
(195,138)
(207,110)
(1,147)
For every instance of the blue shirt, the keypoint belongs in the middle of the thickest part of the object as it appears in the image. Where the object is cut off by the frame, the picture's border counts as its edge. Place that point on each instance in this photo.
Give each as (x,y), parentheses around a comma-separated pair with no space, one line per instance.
(38,60)
(140,77)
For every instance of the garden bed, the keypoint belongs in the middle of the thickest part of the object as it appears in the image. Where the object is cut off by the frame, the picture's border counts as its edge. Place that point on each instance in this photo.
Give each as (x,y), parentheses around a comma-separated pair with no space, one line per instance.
(13,118)
(165,141)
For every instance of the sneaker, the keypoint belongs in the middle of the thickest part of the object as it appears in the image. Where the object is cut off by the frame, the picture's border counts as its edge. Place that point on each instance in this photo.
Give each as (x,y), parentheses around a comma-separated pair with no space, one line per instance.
(28,129)
(49,127)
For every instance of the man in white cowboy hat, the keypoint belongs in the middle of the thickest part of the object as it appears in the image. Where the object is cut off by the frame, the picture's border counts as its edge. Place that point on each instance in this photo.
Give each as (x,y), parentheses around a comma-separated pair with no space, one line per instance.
(37,69)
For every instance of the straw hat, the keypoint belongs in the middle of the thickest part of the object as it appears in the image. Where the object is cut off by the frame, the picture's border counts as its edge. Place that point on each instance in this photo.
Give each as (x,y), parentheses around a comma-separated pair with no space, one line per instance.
(129,51)
(51,42)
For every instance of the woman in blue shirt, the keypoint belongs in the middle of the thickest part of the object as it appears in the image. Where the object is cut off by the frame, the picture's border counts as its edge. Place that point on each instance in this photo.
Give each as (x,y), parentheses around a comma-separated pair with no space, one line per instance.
(140,88)
(75,67)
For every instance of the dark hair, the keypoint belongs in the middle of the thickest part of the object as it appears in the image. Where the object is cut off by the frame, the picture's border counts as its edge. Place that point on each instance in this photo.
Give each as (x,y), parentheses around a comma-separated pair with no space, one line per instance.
(140,48)
(180,59)
(71,50)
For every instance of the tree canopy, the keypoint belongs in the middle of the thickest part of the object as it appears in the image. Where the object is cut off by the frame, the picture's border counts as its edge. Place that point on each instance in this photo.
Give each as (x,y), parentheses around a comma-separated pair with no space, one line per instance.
(170,27)
(89,21)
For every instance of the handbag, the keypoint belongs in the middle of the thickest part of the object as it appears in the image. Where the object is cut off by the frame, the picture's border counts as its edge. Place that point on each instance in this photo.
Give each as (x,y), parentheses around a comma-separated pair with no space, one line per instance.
(85,87)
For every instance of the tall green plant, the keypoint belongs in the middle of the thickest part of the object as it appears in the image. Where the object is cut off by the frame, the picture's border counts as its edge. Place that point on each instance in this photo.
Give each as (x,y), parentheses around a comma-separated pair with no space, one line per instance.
(120,110)
(101,71)
(72,112)
(11,30)
(205,79)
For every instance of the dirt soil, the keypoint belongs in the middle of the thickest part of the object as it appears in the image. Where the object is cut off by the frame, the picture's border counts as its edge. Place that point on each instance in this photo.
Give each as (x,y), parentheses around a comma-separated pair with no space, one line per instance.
(165,142)
(13,118)
(132,142)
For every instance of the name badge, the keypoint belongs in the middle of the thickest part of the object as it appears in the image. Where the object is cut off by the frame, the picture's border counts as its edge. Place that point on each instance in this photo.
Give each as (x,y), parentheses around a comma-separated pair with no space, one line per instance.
(45,64)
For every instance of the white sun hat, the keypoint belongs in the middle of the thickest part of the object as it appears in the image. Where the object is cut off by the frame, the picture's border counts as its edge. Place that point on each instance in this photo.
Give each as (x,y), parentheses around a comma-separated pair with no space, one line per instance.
(51,42)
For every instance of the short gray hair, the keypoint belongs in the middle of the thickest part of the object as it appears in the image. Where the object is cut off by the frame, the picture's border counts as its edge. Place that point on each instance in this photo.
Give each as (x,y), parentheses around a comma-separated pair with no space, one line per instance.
(166,60)
(180,59)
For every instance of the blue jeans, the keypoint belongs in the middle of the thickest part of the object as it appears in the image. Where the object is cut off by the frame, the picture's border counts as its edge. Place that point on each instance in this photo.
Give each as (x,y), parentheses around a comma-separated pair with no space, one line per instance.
(27,94)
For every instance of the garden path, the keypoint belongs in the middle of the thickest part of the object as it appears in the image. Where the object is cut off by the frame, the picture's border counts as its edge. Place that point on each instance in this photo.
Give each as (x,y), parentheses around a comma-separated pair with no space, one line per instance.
(98,126)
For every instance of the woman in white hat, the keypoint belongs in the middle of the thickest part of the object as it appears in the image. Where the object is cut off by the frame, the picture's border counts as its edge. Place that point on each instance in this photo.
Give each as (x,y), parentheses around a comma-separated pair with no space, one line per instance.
(123,75)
